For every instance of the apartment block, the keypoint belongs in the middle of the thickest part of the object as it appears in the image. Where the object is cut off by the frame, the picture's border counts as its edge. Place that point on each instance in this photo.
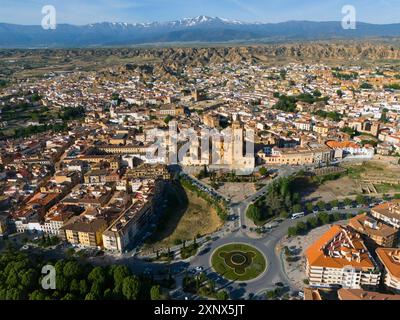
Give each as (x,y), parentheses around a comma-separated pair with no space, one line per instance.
(388,212)
(380,233)
(84,231)
(359,294)
(390,259)
(340,258)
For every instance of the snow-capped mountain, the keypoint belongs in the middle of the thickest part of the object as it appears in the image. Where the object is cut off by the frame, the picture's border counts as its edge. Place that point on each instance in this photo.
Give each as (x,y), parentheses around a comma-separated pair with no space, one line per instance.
(185,22)
(198,29)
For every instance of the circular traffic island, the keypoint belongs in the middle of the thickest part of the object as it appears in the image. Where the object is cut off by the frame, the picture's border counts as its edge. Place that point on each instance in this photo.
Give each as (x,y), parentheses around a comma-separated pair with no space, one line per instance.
(238,262)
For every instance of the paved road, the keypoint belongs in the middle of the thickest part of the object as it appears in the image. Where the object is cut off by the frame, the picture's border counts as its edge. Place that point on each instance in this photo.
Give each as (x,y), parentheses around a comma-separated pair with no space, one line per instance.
(233,232)
(267,245)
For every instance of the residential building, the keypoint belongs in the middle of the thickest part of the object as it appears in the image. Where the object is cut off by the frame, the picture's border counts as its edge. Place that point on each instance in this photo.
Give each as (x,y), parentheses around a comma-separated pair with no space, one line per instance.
(380,233)
(340,258)
(390,259)
(388,212)
(84,231)
(359,294)
(58,216)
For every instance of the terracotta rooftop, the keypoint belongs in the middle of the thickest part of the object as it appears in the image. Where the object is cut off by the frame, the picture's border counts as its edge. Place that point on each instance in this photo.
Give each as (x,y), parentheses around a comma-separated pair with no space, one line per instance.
(369,226)
(339,247)
(390,258)
(359,294)
(389,209)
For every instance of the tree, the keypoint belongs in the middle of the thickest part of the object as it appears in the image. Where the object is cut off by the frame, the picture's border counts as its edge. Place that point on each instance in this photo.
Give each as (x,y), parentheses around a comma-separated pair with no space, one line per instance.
(37,295)
(68,296)
(348,202)
(263,171)
(119,274)
(337,216)
(14,294)
(74,286)
(108,295)
(131,287)
(334,203)
(29,279)
(96,290)
(271,294)
(297,208)
(360,199)
(324,217)
(114,96)
(301,227)
(312,222)
(309,207)
(321,205)
(97,275)
(284,214)
(317,93)
(222,295)
(254,213)
(366,85)
(211,285)
(90,296)
(155,293)
(62,283)
(12,279)
(83,287)
(72,270)
(168,119)
(292,231)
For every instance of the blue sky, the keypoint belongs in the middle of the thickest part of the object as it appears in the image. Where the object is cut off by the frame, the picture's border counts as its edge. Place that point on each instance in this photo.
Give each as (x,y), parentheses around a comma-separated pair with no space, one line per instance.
(89,11)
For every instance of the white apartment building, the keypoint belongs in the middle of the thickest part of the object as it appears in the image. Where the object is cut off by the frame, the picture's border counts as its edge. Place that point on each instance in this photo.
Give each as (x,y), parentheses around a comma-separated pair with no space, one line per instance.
(340,258)
(390,259)
(388,212)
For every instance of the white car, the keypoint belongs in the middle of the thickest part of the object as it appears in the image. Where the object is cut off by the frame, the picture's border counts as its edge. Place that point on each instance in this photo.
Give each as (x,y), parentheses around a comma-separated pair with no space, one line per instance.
(199,269)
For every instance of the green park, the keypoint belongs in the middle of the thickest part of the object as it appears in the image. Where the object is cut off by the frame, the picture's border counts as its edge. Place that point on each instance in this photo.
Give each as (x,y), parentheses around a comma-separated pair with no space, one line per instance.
(238,262)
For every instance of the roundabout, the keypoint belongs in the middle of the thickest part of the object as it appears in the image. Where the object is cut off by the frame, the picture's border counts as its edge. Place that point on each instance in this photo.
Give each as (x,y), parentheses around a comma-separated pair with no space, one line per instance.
(238,262)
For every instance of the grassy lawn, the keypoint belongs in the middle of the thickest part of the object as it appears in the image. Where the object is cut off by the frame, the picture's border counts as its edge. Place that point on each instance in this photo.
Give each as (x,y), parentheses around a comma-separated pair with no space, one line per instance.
(186,216)
(252,268)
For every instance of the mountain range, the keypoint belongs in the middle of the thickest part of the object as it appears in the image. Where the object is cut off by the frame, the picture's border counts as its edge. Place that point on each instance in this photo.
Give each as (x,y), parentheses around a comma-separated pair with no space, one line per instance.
(201,29)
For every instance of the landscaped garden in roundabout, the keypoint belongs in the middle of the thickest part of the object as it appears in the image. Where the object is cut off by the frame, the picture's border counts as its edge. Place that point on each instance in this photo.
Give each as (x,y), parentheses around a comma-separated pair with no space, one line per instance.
(238,262)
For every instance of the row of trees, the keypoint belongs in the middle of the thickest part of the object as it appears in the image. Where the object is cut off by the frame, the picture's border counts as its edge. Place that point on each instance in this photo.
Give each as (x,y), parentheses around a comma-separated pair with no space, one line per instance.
(20,278)
(280,198)
(219,205)
(321,219)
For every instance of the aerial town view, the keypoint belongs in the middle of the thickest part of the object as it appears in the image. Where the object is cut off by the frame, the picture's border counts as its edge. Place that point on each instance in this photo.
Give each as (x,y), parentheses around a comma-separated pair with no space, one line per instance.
(201,158)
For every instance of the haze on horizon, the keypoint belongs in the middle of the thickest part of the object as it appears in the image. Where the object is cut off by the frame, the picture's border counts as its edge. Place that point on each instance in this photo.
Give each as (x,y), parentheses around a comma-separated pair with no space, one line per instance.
(79,12)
